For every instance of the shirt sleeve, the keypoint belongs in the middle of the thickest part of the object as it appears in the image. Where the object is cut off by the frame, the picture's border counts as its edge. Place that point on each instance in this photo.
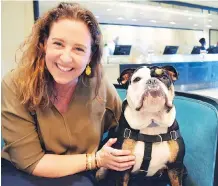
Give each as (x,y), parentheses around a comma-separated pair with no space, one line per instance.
(113,106)
(22,145)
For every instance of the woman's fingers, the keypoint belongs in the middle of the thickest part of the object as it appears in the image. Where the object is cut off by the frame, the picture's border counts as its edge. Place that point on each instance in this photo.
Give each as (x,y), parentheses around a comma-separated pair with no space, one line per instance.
(123,165)
(116,159)
(119,168)
(110,142)
(118,152)
(120,159)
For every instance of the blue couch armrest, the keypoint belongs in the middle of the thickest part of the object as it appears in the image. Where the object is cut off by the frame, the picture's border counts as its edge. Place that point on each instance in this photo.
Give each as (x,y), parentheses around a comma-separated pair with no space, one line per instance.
(198,120)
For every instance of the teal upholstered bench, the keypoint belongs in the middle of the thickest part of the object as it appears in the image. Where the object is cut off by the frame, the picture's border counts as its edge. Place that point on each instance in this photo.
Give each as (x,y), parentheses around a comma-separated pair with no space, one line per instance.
(198,120)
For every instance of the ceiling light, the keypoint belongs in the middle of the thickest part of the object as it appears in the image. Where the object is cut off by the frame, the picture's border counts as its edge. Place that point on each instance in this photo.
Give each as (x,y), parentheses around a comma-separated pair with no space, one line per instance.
(209,26)
(172,22)
(97,17)
(141,13)
(195,24)
(210,20)
(159,7)
(134,19)
(186,11)
(153,21)
(120,18)
(190,18)
(109,9)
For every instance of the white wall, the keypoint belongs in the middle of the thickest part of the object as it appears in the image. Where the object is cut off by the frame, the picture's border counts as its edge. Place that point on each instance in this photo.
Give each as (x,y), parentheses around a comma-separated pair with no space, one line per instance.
(214,37)
(17,20)
(143,39)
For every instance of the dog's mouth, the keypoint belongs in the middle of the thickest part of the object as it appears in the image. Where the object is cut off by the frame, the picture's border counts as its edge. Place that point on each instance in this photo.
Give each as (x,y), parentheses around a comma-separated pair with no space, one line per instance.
(155,92)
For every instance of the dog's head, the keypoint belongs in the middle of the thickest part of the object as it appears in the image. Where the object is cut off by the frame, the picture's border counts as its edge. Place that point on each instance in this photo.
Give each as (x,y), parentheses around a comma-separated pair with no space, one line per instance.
(149,89)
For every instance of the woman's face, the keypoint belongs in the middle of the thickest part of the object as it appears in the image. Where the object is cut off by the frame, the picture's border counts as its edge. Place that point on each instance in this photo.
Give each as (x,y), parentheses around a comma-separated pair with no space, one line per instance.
(68,50)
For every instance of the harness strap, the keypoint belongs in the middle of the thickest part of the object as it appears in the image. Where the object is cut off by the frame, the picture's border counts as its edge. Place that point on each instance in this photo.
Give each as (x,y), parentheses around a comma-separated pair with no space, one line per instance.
(132,134)
(172,135)
(147,158)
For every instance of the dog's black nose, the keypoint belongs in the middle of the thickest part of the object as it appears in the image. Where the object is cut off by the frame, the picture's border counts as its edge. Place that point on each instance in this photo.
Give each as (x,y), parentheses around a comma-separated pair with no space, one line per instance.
(151,82)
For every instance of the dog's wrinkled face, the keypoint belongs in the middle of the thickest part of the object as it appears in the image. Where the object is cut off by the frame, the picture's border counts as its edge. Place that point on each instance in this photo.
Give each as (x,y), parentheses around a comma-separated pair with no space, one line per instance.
(151,89)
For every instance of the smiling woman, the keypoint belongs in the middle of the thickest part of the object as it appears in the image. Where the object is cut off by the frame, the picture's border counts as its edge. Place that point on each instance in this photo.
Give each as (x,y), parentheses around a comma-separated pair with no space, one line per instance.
(58,103)
(66,56)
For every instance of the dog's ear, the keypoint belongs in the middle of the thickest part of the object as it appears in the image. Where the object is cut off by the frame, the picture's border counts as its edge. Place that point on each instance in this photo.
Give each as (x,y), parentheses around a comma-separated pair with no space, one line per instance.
(125,77)
(172,72)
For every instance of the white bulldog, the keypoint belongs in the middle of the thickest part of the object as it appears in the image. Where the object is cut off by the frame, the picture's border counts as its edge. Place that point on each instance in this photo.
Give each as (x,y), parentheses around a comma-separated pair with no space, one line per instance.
(148,125)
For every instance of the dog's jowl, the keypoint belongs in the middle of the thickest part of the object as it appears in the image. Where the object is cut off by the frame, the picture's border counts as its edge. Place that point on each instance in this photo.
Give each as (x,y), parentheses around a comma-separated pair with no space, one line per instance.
(148,127)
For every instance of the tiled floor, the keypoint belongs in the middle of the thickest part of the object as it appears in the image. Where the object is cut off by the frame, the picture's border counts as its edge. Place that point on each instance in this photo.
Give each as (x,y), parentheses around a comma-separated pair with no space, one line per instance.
(207,92)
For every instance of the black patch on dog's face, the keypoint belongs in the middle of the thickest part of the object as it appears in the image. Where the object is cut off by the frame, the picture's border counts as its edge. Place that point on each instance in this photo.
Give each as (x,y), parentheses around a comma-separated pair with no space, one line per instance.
(164,75)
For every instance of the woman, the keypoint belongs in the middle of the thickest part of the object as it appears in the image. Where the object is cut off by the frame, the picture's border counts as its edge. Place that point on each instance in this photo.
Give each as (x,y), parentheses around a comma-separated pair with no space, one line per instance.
(57,104)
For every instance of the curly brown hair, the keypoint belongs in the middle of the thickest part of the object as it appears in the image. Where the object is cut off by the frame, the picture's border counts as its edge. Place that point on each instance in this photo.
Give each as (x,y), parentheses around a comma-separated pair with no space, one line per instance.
(35,83)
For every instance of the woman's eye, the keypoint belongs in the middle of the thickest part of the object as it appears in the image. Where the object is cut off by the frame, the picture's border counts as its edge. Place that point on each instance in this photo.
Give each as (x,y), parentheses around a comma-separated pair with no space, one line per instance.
(136,79)
(58,43)
(80,49)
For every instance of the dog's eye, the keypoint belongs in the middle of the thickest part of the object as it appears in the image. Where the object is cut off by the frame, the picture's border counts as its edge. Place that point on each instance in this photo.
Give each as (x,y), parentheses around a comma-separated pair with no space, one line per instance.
(164,77)
(136,79)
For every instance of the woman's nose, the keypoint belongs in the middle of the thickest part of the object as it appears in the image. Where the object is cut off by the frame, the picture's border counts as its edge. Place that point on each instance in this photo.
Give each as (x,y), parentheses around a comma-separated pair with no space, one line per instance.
(66,56)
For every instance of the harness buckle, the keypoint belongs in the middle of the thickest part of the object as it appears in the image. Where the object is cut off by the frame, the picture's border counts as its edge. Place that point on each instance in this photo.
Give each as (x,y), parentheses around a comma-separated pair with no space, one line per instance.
(143,171)
(127,133)
(161,139)
(173,135)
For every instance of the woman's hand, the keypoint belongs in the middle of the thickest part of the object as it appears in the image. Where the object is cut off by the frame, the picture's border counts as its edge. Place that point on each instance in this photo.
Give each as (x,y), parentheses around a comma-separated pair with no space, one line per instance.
(119,160)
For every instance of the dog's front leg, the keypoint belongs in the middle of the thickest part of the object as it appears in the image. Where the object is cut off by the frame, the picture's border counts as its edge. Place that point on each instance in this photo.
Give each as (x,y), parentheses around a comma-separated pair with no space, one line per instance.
(175,176)
(126,179)
(123,180)
(128,144)
(175,173)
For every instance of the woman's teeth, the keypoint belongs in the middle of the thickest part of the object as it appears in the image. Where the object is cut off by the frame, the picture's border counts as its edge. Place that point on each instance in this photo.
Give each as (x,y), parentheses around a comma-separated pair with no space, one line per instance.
(64,68)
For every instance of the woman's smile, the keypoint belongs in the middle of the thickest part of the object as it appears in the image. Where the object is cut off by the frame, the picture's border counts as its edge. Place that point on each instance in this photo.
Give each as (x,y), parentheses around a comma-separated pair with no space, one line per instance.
(63,68)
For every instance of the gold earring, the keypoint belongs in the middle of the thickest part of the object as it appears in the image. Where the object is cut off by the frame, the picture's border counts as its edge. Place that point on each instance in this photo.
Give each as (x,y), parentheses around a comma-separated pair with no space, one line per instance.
(88,70)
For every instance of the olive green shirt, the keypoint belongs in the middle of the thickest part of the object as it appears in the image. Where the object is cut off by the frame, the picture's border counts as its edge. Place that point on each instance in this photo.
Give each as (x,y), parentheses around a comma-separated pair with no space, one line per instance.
(79,130)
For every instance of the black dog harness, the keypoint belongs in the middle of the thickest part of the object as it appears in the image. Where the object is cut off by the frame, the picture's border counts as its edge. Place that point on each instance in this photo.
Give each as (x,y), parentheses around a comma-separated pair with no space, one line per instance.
(125,132)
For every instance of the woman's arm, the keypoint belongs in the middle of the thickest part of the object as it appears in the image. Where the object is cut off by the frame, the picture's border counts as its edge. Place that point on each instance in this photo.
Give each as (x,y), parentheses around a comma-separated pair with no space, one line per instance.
(53,166)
